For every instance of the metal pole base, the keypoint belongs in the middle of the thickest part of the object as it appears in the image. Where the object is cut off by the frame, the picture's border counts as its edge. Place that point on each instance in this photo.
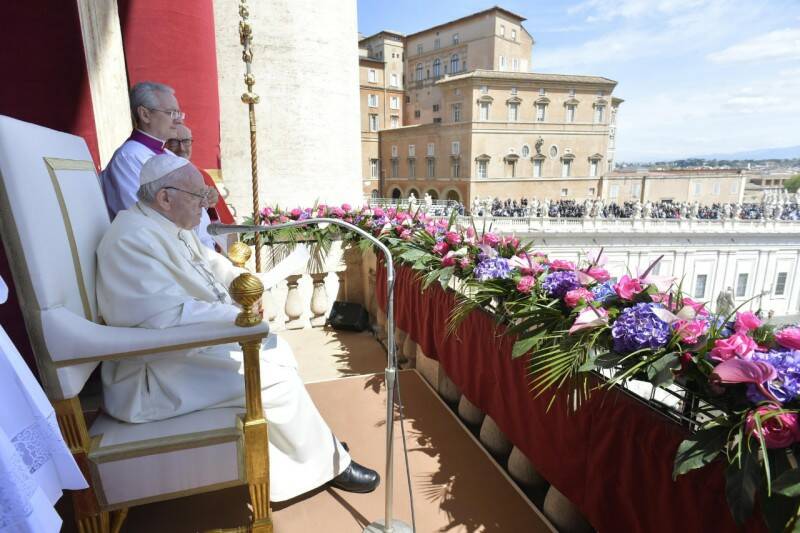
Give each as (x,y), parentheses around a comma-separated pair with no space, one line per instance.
(397,527)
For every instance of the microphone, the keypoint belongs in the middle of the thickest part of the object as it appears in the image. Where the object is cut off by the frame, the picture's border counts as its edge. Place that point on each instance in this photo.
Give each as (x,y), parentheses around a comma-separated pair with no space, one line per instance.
(389,524)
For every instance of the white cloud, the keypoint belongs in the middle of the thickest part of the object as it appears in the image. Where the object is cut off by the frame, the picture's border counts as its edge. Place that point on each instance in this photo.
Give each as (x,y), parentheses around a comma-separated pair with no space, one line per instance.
(778,44)
(605,10)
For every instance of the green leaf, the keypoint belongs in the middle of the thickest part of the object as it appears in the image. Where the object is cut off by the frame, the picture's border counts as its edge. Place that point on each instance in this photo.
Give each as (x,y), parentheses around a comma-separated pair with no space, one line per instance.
(777,511)
(699,449)
(660,372)
(412,255)
(788,483)
(444,276)
(741,484)
(523,346)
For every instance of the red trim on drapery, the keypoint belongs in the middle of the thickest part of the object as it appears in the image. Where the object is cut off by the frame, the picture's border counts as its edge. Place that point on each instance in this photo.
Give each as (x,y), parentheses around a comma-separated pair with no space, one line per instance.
(613,458)
(174,43)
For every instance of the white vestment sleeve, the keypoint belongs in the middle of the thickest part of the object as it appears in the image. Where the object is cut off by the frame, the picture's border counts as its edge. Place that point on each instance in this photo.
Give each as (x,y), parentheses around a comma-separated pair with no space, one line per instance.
(192,312)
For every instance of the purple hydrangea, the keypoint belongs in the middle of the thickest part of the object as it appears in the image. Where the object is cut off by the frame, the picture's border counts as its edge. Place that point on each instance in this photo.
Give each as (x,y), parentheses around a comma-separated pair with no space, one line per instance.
(638,327)
(787,386)
(492,268)
(603,291)
(559,283)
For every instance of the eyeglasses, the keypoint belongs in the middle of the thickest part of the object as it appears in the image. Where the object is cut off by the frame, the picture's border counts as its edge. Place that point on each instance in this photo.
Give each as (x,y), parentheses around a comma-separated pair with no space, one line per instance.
(174,114)
(186,143)
(203,197)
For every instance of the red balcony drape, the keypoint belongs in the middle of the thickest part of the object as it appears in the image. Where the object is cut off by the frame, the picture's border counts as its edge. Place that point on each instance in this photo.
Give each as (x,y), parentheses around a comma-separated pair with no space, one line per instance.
(174,43)
(612,459)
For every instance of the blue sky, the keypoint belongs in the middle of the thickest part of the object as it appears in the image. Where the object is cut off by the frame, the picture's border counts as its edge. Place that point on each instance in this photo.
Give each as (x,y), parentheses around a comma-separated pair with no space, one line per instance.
(697,76)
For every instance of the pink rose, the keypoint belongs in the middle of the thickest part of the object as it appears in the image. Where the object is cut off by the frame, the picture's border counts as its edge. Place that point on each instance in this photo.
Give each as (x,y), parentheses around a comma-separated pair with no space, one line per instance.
(691,330)
(452,237)
(491,239)
(737,345)
(600,274)
(628,287)
(379,212)
(789,338)
(574,297)
(449,259)
(346,207)
(337,212)
(440,248)
(560,264)
(296,212)
(779,430)
(746,321)
(525,284)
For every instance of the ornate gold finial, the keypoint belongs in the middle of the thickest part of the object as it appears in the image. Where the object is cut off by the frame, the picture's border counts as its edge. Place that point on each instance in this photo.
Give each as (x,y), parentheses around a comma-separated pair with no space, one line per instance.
(250,98)
(246,290)
(239,253)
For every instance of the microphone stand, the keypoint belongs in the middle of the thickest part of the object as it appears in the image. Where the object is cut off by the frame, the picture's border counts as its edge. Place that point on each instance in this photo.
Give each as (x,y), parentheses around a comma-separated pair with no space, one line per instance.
(388,525)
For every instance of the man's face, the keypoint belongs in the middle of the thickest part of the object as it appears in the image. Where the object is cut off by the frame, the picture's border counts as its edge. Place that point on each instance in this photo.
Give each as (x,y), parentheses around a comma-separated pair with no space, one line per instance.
(157,121)
(181,144)
(183,201)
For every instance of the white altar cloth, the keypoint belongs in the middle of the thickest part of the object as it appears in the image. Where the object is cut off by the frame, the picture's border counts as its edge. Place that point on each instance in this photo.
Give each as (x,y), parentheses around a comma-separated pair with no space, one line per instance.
(35,463)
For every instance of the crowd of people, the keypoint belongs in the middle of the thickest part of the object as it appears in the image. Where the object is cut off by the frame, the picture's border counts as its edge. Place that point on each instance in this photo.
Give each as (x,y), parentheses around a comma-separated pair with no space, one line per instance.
(778,208)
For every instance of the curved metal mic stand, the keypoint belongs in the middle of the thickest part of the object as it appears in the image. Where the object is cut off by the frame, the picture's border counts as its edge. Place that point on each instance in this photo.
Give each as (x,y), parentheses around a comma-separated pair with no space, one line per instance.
(388,525)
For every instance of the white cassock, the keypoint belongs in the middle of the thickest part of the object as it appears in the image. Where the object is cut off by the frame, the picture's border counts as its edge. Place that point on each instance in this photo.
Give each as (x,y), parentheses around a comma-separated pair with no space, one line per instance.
(153,274)
(120,178)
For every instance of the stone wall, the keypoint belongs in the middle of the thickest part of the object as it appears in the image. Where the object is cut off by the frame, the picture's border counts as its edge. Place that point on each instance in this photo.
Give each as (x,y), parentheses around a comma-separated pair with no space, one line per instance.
(305,60)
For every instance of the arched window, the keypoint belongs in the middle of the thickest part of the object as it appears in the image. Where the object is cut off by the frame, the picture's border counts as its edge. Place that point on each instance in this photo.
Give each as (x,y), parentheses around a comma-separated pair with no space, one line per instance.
(453,195)
(375,194)
(396,193)
(437,68)
(453,63)
(413,191)
(434,194)
(419,72)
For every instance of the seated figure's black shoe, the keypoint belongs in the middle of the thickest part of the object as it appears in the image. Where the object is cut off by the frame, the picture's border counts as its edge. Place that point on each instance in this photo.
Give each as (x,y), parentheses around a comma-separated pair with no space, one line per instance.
(357,478)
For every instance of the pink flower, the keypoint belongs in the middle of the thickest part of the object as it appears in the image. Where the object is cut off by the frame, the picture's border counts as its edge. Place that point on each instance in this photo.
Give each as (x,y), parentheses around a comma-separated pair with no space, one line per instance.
(600,274)
(296,212)
(560,264)
(465,262)
(491,239)
(589,318)
(746,321)
(699,307)
(737,345)
(779,429)
(469,235)
(430,230)
(509,241)
(283,218)
(574,297)
(628,287)
(789,338)
(525,264)
(452,237)
(378,212)
(691,330)
(449,259)
(525,284)
(405,234)
(347,208)
(743,371)
(337,212)
(440,248)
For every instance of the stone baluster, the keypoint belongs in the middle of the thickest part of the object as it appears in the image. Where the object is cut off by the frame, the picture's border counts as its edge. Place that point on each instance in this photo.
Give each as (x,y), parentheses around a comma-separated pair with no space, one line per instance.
(563,513)
(521,470)
(410,352)
(469,413)
(494,439)
(294,303)
(319,299)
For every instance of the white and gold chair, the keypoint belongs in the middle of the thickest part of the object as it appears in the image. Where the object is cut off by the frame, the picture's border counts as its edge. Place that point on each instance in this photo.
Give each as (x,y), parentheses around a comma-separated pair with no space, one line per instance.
(52,217)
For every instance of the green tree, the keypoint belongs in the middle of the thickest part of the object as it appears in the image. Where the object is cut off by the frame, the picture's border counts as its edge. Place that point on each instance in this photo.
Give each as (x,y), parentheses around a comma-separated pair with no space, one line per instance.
(793,183)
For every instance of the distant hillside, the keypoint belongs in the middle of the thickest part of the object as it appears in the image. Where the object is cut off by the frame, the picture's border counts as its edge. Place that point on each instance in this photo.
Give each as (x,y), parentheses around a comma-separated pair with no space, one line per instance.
(789,152)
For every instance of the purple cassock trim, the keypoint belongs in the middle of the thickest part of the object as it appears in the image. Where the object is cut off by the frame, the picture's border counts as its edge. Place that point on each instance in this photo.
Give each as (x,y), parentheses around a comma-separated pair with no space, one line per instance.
(156,145)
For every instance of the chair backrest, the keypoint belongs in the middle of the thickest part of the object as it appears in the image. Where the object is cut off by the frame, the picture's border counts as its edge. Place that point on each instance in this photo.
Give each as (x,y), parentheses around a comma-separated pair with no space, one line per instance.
(52,217)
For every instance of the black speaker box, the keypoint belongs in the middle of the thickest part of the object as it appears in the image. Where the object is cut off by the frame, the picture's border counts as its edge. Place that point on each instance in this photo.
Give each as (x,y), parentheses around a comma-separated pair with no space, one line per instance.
(348,317)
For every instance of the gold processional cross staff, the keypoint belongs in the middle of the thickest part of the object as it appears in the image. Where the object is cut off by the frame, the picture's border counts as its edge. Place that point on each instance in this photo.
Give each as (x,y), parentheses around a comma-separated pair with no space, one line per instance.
(250,98)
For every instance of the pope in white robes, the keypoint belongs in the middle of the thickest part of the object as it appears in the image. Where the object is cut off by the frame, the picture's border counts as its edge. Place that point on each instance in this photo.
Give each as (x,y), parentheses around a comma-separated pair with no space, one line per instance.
(153,272)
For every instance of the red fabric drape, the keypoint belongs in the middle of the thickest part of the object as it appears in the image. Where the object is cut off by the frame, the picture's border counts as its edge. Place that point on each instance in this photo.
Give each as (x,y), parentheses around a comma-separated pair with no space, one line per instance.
(44,82)
(612,459)
(174,43)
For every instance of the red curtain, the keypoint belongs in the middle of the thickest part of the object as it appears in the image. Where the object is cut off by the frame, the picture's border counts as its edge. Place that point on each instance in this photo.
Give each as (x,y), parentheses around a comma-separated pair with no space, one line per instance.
(45,81)
(612,459)
(174,43)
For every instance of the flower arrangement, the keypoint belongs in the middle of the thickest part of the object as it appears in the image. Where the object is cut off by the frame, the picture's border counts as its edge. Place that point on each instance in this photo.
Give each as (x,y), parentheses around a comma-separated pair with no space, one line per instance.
(573,320)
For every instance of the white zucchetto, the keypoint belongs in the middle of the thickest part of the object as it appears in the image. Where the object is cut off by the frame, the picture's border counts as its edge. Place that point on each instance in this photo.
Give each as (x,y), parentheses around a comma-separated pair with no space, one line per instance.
(159,166)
